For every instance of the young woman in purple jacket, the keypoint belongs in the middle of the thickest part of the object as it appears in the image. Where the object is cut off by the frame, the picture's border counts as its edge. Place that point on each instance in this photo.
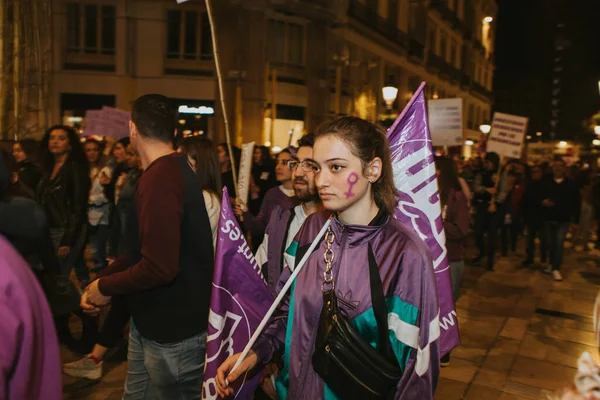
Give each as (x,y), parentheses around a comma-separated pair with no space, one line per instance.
(353,174)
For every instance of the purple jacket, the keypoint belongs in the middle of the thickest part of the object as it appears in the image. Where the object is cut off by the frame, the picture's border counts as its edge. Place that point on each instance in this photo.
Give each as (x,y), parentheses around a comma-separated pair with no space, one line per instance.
(456,224)
(29,355)
(274,197)
(409,285)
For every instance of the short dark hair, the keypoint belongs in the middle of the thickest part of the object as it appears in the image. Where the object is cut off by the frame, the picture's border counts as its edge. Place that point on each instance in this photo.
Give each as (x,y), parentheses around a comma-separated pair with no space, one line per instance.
(307,140)
(155,117)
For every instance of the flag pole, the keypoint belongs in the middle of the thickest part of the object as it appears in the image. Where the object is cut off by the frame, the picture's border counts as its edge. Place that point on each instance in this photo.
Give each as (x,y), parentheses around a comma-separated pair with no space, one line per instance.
(222,93)
(280,296)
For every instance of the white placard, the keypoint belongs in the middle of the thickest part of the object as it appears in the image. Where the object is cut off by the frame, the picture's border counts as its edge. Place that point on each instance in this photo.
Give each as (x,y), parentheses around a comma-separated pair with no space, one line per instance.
(445,121)
(245,172)
(507,134)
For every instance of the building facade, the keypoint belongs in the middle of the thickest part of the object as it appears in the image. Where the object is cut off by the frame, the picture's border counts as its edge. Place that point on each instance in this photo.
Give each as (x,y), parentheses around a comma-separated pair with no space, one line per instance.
(294,62)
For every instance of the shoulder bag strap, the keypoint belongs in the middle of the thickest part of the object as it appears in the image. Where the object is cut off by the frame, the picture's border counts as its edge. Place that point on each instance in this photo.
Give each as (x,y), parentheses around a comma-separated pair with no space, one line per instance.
(379,308)
(285,237)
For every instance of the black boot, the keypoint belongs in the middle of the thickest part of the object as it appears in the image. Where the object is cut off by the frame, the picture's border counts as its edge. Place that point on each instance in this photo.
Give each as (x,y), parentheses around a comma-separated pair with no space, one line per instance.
(61,322)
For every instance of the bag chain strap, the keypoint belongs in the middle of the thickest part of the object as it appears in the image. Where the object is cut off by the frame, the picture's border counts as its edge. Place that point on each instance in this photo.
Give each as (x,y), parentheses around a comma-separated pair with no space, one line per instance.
(329,257)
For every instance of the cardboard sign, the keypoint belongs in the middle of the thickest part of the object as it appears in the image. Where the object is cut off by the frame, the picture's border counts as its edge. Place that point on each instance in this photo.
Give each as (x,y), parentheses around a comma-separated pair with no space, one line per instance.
(507,134)
(93,123)
(116,121)
(445,122)
(244,174)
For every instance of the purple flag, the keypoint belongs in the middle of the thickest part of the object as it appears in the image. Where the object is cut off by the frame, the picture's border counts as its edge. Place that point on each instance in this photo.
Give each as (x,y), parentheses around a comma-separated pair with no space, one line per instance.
(419,202)
(239,300)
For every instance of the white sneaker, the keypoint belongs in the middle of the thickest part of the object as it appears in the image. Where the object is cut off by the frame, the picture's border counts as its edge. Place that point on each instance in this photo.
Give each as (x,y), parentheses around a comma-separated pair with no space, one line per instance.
(548,270)
(84,368)
(556,275)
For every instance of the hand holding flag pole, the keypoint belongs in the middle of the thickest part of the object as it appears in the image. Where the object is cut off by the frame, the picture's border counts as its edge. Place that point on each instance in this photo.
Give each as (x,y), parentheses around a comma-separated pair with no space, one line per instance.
(275,304)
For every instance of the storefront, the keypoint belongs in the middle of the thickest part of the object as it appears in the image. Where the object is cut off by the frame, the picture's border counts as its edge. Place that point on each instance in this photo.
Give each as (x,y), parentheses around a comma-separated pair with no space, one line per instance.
(196,117)
(288,127)
(74,105)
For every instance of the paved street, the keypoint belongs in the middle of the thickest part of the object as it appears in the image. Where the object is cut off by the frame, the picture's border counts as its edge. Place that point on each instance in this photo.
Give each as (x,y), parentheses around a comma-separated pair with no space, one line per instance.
(522,334)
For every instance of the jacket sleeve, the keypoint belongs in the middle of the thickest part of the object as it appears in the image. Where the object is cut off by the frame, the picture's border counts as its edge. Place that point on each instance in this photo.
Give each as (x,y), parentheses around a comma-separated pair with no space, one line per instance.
(456,224)
(257,224)
(160,217)
(422,367)
(79,188)
(11,331)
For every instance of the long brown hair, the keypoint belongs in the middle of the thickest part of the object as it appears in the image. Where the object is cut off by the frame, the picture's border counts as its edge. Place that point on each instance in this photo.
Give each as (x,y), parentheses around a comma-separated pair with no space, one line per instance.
(208,172)
(448,178)
(366,141)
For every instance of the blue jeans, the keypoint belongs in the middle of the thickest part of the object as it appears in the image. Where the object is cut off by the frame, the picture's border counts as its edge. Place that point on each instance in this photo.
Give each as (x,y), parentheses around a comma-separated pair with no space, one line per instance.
(556,232)
(172,371)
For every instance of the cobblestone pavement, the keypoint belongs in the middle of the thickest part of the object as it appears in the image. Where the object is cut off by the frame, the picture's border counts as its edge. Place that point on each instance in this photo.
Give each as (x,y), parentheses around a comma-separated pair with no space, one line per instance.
(521,333)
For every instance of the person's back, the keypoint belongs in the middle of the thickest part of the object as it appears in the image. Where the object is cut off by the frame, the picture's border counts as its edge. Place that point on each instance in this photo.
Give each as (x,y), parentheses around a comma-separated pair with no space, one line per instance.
(29,354)
(166,271)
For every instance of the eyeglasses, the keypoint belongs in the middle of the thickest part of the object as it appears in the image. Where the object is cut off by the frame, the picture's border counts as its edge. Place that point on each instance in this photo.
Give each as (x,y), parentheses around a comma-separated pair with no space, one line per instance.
(306,165)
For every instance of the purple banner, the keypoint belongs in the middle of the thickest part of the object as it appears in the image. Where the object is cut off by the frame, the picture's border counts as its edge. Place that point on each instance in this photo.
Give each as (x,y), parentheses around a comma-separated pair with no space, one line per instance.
(239,300)
(419,202)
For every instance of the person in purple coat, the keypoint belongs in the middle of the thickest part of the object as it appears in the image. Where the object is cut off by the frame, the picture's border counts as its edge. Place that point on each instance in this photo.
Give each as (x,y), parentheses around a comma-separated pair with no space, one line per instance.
(282,196)
(353,174)
(29,354)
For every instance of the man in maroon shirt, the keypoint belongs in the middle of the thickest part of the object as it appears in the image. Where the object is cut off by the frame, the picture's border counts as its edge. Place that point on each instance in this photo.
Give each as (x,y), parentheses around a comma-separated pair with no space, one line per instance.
(166,271)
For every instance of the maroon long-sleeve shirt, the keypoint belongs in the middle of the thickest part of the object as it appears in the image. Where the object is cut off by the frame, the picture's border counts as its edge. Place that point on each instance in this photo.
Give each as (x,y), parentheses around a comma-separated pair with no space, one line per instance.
(166,271)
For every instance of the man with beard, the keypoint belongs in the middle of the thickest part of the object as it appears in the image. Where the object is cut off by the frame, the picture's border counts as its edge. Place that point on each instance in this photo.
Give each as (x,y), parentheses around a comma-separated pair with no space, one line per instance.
(285,223)
(283,226)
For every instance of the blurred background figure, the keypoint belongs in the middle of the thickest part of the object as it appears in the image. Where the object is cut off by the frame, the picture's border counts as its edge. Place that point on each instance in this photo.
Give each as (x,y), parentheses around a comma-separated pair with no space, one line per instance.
(63,194)
(25,152)
(112,189)
(263,177)
(99,207)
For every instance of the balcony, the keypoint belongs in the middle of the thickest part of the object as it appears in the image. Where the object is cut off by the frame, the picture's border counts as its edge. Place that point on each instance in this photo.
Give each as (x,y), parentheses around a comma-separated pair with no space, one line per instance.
(371,19)
(447,14)
(416,49)
(435,63)
(481,90)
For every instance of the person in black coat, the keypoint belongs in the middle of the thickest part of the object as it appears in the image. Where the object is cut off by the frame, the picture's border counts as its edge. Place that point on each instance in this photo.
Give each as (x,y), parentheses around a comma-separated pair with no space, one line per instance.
(531,205)
(560,206)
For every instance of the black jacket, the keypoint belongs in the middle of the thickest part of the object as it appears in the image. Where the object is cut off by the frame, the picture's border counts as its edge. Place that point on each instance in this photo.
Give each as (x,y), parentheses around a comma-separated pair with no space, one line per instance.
(29,176)
(65,200)
(565,196)
(531,203)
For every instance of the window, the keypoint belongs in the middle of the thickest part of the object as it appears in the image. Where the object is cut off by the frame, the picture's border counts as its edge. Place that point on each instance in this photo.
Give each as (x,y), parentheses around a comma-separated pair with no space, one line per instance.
(470,116)
(454,56)
(91,28)
(188,35)
(432,37)
(286,43)
(443,46)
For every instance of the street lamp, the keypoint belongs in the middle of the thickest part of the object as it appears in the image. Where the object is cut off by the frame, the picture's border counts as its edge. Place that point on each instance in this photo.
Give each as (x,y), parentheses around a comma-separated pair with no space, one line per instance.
(596,142)
(488,19)
(389,95)
(538,133)
(485,128)
(469,143)
(562,143)
(597,129)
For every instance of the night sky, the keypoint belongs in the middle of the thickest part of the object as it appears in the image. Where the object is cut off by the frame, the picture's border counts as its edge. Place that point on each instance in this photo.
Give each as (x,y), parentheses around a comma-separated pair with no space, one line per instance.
(526,59)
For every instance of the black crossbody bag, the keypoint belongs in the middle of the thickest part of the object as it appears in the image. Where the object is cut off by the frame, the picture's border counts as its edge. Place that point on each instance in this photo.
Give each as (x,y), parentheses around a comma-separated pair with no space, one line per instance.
(348,364)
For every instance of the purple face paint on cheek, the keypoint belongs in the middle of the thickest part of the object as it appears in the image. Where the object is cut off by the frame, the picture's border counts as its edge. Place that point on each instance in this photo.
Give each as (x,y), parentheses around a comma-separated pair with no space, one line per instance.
(352,179)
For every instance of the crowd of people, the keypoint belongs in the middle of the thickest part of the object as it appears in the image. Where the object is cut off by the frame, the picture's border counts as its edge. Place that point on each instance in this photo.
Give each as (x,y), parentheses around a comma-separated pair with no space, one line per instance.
(133,224)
